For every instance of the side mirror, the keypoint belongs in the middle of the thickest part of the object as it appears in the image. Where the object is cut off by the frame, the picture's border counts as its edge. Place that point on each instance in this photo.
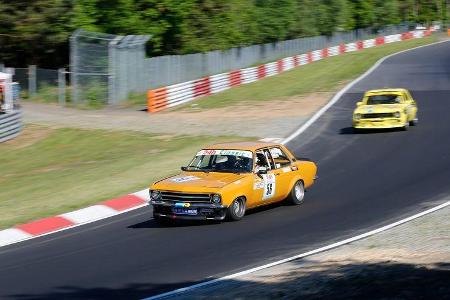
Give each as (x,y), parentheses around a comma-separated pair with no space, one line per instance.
(183,168)
(261,171)
(359,103)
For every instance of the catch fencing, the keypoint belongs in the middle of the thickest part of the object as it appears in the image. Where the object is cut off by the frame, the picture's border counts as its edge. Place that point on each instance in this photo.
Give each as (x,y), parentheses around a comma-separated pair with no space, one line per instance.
(45,85)
(108,68)
(173,95)
(105,68)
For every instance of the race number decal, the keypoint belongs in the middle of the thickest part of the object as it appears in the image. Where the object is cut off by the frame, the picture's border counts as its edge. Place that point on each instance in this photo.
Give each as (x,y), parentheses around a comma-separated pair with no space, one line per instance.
(269,186)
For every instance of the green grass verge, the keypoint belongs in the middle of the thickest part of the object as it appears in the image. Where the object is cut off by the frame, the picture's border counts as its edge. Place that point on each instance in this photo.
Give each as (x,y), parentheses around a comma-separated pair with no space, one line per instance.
(48,171)
(325,75)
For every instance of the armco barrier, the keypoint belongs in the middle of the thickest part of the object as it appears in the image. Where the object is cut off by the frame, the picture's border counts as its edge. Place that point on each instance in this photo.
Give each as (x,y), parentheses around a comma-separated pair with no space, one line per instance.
(10,125)
(173,95)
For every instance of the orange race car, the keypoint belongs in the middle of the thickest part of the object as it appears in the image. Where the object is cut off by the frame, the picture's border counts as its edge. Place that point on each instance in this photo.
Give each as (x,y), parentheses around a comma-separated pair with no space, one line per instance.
(225,180)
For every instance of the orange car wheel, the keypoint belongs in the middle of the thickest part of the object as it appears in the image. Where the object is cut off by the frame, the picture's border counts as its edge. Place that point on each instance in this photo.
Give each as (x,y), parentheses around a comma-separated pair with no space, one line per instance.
(236,210)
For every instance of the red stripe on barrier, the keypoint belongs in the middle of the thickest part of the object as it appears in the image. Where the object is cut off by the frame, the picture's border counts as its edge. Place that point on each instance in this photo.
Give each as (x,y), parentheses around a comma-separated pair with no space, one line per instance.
(280,66)
(202,87)
(296,62)
(310,57)
(235,78)
(261,71)
(407,36)
(45,225)
(341,48)
(379,40)
(324,52)
(359,45)
(124,203)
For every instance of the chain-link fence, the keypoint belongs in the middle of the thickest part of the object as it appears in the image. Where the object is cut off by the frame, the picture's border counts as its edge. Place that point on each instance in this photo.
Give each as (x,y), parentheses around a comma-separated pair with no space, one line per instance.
(107,68)
(39,84)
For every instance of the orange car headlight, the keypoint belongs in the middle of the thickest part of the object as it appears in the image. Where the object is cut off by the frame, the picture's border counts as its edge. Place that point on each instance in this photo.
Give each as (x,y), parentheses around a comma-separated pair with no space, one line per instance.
(216,199)
(155,195)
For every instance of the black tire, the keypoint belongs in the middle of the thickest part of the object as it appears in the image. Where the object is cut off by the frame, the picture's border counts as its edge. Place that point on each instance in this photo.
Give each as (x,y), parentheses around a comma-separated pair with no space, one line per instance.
(236,210)
(163,221)
(414,122)
(297,194)
(406,127)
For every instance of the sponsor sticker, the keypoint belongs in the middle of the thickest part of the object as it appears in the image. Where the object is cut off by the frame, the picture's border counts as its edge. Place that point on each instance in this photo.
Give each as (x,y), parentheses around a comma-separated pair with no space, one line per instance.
(184,179)
(258,185)
(178,204)
(243,153)
(286,169)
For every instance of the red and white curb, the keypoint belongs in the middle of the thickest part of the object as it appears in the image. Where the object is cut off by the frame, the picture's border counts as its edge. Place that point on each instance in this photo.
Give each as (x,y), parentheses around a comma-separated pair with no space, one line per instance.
(75,218)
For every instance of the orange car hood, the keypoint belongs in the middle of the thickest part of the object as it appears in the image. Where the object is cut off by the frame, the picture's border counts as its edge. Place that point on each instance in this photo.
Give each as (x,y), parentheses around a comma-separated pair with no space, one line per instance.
(197,181)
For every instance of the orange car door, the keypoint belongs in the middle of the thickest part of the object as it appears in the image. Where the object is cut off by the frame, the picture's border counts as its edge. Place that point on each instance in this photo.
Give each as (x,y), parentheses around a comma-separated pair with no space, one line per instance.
(265,185)
(282,172)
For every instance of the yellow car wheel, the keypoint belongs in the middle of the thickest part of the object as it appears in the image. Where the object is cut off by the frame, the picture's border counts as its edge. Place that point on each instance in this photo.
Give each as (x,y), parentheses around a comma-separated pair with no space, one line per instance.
(297,195)
(236,210)
(405,128)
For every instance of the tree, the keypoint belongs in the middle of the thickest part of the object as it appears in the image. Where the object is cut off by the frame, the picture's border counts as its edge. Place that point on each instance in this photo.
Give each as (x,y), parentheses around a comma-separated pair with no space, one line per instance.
(386,12)
(274,18)
(363,13)
(35,32)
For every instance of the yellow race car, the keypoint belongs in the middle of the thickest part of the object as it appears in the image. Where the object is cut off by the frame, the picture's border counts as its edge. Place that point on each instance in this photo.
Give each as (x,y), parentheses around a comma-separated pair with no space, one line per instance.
(385,108)
(224,180)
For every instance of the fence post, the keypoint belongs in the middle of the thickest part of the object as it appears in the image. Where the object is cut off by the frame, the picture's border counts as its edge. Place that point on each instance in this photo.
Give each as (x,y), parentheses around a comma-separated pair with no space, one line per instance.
(73,67)
(32,80)
(112,70)
(62,86)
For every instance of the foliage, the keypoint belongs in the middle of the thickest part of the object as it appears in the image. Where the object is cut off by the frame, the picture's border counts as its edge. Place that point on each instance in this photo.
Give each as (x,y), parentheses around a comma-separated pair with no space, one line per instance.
(38,31)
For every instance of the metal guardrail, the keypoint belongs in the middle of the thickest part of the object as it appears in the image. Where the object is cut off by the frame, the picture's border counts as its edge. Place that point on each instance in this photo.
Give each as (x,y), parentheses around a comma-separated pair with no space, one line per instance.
(10,125)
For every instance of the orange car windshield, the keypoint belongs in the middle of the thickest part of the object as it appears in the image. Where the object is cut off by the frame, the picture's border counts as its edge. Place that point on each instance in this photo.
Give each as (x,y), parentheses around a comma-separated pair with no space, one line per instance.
(227,161)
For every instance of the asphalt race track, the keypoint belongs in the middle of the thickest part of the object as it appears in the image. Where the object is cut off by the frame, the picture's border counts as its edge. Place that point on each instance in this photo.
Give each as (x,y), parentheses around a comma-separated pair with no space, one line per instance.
(365,181)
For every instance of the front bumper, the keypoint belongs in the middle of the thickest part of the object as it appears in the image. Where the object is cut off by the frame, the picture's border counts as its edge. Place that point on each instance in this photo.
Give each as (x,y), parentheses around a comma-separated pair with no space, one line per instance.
(205,211)
(379,123)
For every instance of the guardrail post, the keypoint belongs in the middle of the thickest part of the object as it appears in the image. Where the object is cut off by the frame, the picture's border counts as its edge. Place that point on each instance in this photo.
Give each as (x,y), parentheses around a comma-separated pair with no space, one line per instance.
(62,86)
(32,80)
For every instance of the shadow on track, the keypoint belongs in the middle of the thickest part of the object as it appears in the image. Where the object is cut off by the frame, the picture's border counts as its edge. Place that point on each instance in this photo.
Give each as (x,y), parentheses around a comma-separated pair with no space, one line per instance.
(351,130)
(333,280)
(151,223)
